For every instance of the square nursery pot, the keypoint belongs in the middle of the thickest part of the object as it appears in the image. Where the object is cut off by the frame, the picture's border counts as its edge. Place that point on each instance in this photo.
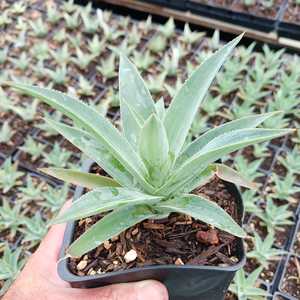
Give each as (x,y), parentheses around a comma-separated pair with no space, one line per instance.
(287,286)
(289,30)
(187,282)
(235,17)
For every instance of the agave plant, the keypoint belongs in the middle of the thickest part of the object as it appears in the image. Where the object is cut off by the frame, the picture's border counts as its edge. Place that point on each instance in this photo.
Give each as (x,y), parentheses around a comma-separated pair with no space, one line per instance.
(153,171)
(10,217)
(6,132)
(247,288)
(263,251)
(53,15)
(10,265)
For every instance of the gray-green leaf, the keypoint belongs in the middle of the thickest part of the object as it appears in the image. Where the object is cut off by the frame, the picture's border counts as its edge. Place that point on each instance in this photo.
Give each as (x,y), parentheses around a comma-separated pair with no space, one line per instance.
(111,225)
(184,106)
(204,210)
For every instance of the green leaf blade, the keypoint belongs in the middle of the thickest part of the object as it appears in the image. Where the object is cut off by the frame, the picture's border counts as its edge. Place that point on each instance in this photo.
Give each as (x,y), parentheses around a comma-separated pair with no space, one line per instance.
(181,113)
(133,89)
(205,210)
(93,122)
(242,123)
(76,177)
(217,148)
(154,145)
(109,226)
(230,175)
(135,99)
(101,200)
(93,149)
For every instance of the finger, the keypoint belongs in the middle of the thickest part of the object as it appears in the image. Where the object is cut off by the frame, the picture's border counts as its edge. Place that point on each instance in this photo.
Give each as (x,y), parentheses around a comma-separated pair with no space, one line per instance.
(143,290)
(51,244)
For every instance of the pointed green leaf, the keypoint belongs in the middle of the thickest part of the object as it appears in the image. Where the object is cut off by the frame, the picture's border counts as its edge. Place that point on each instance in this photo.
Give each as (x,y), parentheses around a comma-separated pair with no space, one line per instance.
(90,147)
(109,226)
(154,145)
(217,148)
(133,89)
(184,106)
(76,177)
(200,180)
(242,123)
(205,210)
(132,128)
(160,109)
(97,126)
(228,174)
(103,199)
(253,276)
(133,94)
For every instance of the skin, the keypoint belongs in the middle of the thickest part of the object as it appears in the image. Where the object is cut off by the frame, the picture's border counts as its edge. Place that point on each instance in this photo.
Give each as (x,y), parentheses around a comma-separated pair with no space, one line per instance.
(39,279)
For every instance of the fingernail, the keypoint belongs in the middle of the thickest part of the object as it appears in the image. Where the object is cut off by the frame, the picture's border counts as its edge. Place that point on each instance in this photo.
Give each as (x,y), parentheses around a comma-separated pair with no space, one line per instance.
(151,290)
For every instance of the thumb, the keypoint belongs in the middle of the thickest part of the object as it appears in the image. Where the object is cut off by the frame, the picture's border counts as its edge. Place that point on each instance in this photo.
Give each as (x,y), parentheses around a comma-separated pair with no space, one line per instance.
(142,290)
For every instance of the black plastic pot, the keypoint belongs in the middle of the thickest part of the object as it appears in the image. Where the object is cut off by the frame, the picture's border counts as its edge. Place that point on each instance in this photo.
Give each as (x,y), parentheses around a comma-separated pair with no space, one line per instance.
(289,30)
(183,282)
(287,296)
(279,296)
(178,4)
(239,18)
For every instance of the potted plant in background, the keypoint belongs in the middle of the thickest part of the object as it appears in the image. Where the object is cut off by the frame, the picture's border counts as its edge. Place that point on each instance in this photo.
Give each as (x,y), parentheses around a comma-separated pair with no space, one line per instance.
(157,182)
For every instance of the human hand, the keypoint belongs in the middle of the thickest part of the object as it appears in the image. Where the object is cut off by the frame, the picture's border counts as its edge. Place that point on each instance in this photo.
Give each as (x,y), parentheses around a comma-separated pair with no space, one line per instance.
(39,279)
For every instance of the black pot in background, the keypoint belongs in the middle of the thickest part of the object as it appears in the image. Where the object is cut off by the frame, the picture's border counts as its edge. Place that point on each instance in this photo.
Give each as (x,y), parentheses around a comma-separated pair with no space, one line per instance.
(280,296)
(235,17)
(289,30)
(183,282)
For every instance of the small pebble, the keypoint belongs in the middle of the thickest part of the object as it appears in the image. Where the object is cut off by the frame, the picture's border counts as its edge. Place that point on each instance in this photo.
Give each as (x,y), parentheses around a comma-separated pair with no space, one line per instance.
(81,265)
(107,245)
(92,272)
(130,256)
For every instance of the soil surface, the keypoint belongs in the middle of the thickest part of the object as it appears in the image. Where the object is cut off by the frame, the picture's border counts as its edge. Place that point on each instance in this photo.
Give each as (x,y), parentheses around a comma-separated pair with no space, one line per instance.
(281,234)
(178,239)
(296,246)
(292,14)
(291,280)
(258,8)
(267,273)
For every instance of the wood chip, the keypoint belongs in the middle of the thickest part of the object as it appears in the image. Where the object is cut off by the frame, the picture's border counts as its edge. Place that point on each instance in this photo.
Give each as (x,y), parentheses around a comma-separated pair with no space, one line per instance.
(135,231)
(154,226)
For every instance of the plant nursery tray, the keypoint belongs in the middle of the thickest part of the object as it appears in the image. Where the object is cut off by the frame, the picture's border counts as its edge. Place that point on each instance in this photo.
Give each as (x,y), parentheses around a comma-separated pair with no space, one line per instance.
(186,282)
(178,4)
(289,30)
(235,17)
(290,25)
